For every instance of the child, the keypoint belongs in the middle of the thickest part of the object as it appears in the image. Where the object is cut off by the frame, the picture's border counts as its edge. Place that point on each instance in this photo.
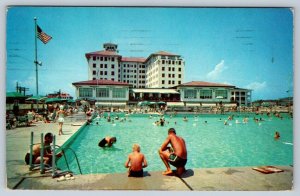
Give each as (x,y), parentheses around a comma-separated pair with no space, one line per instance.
(136,162)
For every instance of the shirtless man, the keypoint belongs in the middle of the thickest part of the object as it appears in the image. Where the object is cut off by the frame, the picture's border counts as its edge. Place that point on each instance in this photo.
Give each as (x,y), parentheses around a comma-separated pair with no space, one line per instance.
(36,152)
(107,141)
(136,162)
(177,156)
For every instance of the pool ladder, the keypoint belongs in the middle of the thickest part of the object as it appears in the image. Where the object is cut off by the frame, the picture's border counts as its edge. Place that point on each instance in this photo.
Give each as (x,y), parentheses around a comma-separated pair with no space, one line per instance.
(43,167)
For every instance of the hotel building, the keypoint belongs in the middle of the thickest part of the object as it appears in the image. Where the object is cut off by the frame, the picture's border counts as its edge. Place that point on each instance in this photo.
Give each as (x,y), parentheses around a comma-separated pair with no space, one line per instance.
(159,77)
(159,70)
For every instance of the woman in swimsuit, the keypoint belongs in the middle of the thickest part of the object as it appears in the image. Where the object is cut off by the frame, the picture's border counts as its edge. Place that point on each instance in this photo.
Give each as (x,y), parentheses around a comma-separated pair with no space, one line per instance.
(60,115)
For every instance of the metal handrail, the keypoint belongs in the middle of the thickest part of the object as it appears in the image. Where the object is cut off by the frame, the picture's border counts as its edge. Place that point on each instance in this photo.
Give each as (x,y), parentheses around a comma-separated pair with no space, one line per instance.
(63,150)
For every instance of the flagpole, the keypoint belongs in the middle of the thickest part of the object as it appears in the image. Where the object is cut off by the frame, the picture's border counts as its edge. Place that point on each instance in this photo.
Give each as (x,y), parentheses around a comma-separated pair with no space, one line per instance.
(36,61)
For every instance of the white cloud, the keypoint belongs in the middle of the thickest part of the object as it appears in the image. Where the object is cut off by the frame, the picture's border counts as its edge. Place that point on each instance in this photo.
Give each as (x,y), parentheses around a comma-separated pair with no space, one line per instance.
(257,86)
(219,68)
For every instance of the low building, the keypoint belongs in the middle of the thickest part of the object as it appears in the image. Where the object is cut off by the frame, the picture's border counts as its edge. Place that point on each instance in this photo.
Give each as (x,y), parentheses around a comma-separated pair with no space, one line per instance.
(208,93)
(104,92)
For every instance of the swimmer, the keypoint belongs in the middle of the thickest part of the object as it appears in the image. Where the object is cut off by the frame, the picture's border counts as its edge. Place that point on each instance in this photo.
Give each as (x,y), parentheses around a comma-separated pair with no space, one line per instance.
(277,135)
(107,141)
(185,119)
(225,122)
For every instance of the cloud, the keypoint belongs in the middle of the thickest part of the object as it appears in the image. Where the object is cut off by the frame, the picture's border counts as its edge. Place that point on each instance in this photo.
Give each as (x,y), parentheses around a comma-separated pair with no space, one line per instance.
(257,86)
(219,68)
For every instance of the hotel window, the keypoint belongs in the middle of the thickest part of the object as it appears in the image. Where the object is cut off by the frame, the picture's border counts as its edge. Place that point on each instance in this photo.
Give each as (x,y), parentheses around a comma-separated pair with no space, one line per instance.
(163,68)
(162,82)
(105,65)
(173,82)
(94,72)
(112,58)
(105,58)
(102,92)
(169,82)
(173,75)
(205,94)
(179,69)
(101,65)
(173,68)
(94,65)
(179,82)
(163,75)
(169,75)
(163,62)
(94,78)
(94,58)
(173,62)
(190,94)
(112,73)
(169,68)
(112,66)
(179,62)
(179,75)
(101,72)
(101,58)
(105,73)
(221,94)
(85,92)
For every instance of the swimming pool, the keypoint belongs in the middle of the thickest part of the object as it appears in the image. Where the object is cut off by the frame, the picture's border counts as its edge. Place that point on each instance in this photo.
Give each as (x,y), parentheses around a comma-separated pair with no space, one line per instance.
(209,145)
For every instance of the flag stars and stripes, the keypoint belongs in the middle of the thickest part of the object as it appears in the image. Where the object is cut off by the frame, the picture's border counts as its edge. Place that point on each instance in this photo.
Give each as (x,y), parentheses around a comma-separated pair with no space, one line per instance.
(42,35)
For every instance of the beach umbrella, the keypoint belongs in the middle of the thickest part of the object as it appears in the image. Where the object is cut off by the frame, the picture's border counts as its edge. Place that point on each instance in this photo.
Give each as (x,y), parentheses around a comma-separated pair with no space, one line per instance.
(36,98)
(71,101)
(55,100)
(14,95)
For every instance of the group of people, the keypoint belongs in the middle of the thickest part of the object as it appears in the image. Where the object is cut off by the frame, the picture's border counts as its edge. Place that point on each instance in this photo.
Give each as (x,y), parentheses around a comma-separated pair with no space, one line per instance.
(172,152)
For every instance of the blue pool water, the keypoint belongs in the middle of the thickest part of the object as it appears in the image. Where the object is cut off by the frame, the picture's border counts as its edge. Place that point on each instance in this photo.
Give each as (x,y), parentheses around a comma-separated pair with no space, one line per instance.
(209,145)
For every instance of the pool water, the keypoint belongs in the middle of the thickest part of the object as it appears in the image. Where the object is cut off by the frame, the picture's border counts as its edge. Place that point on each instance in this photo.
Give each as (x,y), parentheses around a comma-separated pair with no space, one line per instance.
(209,145)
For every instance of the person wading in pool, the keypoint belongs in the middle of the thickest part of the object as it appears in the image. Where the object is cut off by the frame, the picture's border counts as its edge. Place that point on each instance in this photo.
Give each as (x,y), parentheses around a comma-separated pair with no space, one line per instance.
(107,141)
(177,156)
(136,161)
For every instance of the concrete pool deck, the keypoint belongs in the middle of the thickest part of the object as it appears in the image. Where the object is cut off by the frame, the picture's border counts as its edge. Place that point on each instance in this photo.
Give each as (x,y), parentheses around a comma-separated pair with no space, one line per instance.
(207,179)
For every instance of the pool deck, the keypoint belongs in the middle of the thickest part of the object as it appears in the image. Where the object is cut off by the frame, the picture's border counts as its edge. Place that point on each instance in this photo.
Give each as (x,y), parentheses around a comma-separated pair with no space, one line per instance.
(208,179)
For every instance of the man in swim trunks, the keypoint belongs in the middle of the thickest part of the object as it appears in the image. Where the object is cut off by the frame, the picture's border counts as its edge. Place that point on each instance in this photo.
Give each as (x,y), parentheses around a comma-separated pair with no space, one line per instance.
(36,152)
(136,162)
(107,141)
(177,156)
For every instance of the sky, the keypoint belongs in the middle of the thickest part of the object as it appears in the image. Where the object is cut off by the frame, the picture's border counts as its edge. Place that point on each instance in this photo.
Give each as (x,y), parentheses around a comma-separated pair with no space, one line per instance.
(247,47)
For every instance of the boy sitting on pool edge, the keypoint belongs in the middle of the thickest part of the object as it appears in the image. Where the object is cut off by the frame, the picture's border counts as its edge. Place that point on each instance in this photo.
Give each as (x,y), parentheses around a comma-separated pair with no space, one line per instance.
(136,161)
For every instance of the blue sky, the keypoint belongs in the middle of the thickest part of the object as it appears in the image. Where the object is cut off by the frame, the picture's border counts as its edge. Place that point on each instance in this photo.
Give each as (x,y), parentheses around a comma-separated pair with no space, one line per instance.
(246,47)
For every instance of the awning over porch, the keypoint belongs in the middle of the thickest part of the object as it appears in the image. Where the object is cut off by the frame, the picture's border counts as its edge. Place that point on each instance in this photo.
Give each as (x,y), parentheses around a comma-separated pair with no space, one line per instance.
(161,91)
(208,104)
(110,103)
(193,104)
(175,104)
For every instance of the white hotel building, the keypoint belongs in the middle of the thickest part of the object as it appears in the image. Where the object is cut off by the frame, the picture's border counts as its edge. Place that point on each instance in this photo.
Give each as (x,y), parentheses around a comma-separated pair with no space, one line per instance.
(159,70)
(159,77)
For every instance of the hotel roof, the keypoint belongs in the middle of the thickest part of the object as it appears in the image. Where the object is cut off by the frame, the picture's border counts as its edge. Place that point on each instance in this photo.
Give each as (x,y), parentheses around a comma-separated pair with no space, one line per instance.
(133,59)
(165,53)
(102,53)
(100,82)
(161,53)
(204,84)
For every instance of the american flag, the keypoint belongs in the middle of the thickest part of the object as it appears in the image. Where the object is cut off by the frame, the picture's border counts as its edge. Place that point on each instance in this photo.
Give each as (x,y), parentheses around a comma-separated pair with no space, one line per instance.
(42,36)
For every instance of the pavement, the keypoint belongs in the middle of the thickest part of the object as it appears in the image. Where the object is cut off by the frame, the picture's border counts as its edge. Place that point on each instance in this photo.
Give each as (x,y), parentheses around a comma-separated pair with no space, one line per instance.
(195,179)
